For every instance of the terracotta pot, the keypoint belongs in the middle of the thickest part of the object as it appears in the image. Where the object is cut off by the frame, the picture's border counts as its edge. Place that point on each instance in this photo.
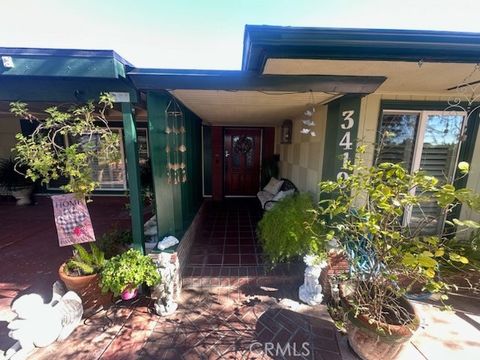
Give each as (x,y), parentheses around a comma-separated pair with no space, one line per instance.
(88,288)
(371,344)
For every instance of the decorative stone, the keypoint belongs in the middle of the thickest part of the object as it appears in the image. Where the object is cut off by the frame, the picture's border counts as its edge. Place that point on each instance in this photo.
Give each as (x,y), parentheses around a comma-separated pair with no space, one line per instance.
(150,227)
(168,290)
(311,290)
(38,324)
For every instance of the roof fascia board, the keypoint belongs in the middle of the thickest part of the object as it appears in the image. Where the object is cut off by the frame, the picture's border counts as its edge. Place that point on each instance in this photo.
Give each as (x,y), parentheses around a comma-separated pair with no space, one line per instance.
(148,79)
(64,63)
(264,42)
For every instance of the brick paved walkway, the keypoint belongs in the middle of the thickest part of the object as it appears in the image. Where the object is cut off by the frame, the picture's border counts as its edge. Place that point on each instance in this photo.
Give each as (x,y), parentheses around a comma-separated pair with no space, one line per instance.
(216,323)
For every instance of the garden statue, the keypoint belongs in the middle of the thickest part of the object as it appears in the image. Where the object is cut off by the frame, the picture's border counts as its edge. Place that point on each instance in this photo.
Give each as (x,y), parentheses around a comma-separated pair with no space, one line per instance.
(167,290)
(311,290)
(38,324)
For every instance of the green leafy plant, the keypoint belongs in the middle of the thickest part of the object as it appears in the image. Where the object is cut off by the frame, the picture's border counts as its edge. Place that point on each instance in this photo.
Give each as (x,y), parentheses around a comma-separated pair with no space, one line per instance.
(289,230)
(84,262)
(115,242)
(365,214)
(47,156)
(11,177)
(128,269)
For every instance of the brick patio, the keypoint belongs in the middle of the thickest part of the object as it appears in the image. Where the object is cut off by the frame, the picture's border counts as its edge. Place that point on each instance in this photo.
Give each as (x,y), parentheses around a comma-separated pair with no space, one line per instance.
(221,323)
(225,311)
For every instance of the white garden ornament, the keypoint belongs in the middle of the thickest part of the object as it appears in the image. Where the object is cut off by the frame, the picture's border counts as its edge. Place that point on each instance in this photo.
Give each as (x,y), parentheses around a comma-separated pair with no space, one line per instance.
(311,290)
(38,324)
(166,292)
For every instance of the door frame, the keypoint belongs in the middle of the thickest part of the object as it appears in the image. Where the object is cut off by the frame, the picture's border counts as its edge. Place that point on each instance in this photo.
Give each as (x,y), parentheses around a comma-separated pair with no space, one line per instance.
(236,127)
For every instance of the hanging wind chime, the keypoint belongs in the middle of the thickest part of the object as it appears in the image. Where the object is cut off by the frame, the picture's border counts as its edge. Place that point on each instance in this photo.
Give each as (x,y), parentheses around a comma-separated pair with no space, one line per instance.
(307,121)
(175,149)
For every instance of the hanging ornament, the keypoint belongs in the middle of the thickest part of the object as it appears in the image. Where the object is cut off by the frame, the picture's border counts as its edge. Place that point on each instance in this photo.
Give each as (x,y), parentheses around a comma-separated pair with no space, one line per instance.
(307,120)
(175,148)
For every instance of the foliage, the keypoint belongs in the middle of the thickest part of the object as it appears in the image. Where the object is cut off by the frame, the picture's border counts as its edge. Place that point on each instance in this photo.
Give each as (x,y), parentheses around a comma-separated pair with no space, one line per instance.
(365,212)
(289,230)
(48,158)
(84,262)
(115,242)
(10,178)
(146,179)
(128,269)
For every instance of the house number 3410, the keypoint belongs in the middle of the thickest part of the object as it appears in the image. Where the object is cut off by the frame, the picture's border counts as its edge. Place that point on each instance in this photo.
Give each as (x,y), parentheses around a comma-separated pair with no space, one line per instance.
(346,142)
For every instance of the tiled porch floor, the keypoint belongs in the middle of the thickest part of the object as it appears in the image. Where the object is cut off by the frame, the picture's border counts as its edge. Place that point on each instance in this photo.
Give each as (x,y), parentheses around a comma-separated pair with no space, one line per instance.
(228,250)
(229,235)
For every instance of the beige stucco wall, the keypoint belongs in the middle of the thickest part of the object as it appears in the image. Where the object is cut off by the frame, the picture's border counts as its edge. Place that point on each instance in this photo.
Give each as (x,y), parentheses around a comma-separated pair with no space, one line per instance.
(367,131)
(302,160)
(9,127)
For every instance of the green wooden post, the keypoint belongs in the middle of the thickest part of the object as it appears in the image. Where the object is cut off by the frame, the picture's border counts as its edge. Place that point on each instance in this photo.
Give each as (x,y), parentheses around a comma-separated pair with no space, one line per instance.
(167,202)
(133,172)
(342,131)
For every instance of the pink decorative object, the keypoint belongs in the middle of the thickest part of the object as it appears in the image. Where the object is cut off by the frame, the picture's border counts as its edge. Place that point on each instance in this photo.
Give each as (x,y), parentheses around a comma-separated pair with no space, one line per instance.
(129,293)
(72,220)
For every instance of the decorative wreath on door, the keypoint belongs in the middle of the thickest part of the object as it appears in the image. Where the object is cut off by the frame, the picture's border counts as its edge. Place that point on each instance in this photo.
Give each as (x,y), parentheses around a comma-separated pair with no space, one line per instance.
(243,145)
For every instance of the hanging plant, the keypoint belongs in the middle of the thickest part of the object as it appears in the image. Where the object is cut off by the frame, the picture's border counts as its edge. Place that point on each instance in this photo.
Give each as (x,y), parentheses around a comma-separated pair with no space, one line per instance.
(66,144)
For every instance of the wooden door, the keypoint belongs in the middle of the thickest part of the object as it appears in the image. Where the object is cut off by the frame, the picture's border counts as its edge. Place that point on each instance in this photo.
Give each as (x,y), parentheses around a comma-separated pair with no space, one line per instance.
(242,161)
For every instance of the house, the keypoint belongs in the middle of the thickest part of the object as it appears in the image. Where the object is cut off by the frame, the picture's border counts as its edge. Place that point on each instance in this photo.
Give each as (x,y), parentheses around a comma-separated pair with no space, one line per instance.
(306,94)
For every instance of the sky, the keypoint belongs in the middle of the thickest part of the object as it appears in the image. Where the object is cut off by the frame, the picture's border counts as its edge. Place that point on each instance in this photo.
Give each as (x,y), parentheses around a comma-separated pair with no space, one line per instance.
(207,34)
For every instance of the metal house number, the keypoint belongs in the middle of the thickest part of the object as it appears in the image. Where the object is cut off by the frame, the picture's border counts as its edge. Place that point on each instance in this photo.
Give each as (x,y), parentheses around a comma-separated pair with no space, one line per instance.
(346,142)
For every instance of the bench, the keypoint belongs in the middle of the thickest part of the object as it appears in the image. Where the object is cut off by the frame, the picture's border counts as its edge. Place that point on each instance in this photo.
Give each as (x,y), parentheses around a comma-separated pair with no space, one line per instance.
(268,200)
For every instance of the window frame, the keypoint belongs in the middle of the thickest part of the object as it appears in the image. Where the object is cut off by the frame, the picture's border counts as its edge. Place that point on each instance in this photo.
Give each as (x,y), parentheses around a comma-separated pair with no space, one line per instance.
(418,143)
(122,155)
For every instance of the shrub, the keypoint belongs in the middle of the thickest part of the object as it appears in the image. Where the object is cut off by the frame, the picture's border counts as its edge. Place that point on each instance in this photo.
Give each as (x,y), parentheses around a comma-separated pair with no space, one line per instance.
(289,230)
(365,213)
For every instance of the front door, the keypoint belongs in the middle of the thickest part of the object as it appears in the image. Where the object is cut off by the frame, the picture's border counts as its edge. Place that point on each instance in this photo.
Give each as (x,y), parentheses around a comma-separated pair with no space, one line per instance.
(242,161)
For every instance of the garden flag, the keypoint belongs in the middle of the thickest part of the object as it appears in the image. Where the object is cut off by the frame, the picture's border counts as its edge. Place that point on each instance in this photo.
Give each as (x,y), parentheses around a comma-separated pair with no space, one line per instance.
(72,220)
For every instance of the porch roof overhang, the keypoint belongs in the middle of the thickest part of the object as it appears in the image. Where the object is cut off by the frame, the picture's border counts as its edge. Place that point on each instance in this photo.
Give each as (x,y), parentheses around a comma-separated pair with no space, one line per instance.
(247,98)
(231,80)
(62,75)
(262,42)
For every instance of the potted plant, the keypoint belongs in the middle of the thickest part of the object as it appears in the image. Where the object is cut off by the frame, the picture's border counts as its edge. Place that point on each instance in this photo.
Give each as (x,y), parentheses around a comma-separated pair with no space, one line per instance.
(65,144)
(48,156)
(365,213)
(12,180)
(81,274)
(124,273)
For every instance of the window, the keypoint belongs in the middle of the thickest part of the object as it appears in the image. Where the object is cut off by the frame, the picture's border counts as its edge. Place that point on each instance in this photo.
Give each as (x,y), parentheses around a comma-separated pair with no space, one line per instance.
(142,141)
(110,176)
(428,141)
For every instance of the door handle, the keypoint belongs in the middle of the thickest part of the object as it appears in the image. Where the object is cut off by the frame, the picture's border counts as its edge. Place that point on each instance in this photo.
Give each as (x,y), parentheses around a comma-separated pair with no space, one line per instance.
(227,154)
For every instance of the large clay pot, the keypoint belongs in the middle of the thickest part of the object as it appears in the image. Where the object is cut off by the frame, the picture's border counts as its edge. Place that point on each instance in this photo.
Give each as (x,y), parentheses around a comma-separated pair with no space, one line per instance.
(88,288)
(371,344)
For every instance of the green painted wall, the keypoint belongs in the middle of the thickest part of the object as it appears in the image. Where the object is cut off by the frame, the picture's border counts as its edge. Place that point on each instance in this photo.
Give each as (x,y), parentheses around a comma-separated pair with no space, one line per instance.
(192,189)
(207,160)
(176,205)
